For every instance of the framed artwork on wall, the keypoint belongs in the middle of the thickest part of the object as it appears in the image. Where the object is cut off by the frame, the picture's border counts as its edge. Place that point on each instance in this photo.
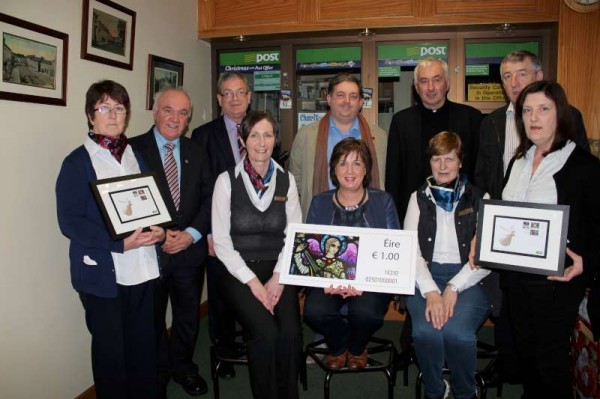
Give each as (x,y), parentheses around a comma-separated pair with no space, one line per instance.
(108,33)
(34,62)
(162,73)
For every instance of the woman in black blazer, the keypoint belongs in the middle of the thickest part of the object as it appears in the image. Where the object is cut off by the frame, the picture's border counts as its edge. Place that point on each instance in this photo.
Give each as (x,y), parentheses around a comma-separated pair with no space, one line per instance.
(550,168)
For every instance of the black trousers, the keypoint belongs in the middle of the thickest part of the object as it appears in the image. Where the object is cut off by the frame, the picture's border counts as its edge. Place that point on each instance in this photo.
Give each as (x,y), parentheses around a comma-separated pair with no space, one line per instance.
(123,342)
(543,315)
(182,285)
(504,341)
(274,342)
(221,321)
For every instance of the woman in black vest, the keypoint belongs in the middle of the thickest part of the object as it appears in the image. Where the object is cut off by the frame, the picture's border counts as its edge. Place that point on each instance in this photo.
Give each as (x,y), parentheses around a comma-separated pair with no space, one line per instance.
(449,305)
(252,204)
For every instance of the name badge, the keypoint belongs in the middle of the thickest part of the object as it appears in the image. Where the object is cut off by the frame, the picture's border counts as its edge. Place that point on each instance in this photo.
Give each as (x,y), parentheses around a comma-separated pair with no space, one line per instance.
(279,198)
(466,212)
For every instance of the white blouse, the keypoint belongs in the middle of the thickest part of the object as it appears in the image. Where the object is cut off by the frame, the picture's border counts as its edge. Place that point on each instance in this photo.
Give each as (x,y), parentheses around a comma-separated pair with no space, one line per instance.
(137,265)
(445,249)
(540,186)
(221,218)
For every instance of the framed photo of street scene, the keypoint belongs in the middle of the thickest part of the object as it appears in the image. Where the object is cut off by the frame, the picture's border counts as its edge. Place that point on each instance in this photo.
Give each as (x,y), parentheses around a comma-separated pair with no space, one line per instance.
(34,62)
(108,33)
(522,236)
(374,260)
(130,202)
(162,73)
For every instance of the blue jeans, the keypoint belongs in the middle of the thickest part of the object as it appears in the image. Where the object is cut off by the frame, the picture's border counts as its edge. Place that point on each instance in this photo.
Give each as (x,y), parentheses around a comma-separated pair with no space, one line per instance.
(455,345)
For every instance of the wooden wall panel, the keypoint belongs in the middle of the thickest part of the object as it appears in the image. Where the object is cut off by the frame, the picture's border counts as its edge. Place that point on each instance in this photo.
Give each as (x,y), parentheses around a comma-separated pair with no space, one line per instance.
(241,13)
(226,18)
(491,6)
(336,10)
(578,60)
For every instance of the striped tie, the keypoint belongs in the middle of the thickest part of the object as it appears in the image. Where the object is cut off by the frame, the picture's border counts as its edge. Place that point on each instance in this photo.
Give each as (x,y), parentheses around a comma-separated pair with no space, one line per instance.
(241,145)
(172,175)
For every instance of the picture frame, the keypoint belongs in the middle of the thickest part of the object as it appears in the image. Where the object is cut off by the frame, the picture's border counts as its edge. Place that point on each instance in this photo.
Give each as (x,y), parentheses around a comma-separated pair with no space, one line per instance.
(162,72)
(522,236)
(130,202)
(108,33)
(34,62)
(374,260)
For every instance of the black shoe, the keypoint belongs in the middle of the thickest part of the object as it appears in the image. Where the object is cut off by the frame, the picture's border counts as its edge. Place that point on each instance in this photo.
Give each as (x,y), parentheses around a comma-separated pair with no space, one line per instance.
(192,384)
(226,370)
(491,373)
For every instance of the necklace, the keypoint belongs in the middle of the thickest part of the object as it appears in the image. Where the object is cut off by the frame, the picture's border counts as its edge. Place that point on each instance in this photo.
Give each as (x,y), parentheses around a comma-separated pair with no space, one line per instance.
(351,207)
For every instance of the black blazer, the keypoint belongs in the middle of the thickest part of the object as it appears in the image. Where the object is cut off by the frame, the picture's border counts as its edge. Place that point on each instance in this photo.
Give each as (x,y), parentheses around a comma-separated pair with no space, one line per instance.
(407,166)
(489,168)
(214,138)
(196,193)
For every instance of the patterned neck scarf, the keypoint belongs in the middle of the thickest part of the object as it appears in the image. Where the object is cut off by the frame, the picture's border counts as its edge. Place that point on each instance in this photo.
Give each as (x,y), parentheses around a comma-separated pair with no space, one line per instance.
(116,145)
(446,195)
(259,183)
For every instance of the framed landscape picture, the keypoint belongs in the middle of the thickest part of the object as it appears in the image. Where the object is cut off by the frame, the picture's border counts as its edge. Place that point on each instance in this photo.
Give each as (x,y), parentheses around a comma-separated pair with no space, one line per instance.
(162,73)
(108,33)
(34,62)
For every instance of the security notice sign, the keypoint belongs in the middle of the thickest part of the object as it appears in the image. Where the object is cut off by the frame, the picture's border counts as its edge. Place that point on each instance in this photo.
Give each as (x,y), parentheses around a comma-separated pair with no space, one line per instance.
(489,92)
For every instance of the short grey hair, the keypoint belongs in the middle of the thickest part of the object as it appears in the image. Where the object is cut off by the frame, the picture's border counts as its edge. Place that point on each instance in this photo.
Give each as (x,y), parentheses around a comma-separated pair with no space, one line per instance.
(225,76)
(168,89)
(426,62)
(522,55)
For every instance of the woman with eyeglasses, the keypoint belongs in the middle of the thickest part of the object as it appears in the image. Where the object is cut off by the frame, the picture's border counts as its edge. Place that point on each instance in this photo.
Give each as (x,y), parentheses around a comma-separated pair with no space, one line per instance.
(114,278)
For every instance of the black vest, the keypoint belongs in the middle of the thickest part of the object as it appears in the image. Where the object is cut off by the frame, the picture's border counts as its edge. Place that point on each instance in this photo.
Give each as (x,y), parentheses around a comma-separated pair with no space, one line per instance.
(465,221)
(256,235)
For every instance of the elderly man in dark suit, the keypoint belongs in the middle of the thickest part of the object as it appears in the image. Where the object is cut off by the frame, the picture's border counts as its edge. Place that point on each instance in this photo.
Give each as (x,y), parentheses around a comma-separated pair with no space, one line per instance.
(220,138)
(185,180)
(411,129)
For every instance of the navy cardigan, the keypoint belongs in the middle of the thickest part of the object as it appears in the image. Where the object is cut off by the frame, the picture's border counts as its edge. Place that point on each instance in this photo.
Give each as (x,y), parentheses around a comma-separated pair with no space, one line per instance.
(81,222)
(380,212)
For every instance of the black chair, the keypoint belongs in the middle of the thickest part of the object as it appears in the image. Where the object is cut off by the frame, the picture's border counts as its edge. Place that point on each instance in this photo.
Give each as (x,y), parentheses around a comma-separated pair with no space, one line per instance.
(478,380)
(375,346)
(233,353)
(484,351)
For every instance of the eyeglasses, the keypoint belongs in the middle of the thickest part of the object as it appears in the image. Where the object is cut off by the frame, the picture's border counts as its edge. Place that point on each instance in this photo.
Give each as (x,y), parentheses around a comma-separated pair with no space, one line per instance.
(341,96)
(168,111)
(105,109)
(230,93)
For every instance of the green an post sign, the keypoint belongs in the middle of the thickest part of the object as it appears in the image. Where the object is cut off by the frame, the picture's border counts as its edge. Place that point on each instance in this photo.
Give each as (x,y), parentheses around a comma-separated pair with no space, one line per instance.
(391,57)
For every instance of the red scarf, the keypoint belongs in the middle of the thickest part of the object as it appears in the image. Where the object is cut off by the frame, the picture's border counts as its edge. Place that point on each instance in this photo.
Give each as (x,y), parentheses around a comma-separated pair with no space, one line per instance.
(116,145)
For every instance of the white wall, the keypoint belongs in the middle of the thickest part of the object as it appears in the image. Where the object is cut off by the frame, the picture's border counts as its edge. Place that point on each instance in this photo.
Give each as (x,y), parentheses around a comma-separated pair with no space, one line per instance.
(44,344)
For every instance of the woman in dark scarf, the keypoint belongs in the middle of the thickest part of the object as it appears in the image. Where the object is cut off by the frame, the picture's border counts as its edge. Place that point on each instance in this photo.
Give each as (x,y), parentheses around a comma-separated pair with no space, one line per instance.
(252,205)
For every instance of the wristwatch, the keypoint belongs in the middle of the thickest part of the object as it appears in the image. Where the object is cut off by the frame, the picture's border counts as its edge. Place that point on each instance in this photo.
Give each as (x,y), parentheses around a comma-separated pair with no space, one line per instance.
(452,287)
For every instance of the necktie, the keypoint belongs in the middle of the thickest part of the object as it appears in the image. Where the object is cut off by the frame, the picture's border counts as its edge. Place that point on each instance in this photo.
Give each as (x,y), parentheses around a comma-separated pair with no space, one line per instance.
(172,174)
(240,143)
